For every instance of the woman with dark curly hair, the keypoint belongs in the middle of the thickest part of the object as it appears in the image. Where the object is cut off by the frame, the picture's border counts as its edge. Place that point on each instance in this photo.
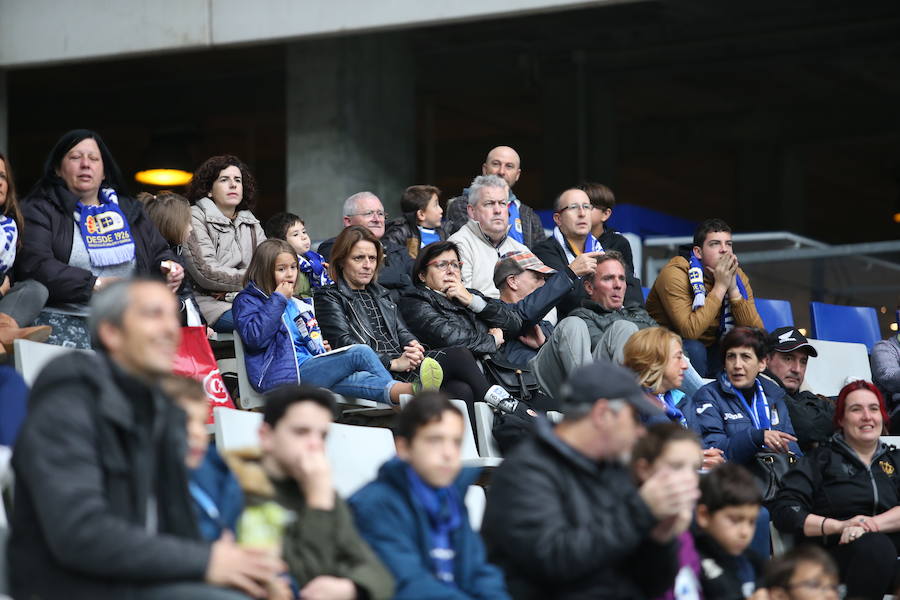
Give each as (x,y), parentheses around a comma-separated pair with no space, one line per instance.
(82,232)
(225,234)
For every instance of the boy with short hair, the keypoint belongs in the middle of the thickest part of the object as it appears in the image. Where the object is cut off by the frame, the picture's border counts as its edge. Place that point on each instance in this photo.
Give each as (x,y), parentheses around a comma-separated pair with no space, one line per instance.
(420,224)
(313,268)
(726,521)
(804,573)
(414,514)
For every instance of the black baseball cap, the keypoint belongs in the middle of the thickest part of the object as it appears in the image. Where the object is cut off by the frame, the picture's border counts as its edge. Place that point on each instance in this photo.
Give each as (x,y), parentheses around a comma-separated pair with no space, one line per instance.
(603,379)
(788,339)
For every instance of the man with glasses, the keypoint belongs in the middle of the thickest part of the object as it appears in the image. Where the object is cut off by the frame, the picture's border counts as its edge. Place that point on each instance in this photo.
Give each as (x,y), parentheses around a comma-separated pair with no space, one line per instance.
(485,238)
(525,225)
(572,238)
(365,209)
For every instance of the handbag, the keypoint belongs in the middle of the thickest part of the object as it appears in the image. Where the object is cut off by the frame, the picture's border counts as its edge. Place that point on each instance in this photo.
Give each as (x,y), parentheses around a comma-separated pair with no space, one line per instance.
(195,359)
(769,468)
(519,382)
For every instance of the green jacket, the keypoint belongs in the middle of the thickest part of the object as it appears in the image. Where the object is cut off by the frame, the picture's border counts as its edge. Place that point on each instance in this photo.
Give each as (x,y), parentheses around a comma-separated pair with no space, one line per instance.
(313,542)
(598,319)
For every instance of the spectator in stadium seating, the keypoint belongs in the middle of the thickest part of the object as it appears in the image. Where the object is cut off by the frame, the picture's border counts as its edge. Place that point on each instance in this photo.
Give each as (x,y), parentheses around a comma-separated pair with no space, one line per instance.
(485,238)
(365,209)
(702,294)
(524,224)
(741,413)
(83,232)
(812,415)
(886,373)
(414,514)
(356,310)
(604,201)
(102,507)
(292,506)
(14,392)
(20,300)
(803,573)
(224,235)
(727,517)
(313,268)
(283,343)
(563,519)
(597,330)
(420,224)
(171,213)
(215,493)
(844,495)
(572,238)
(668,445)
(656,357)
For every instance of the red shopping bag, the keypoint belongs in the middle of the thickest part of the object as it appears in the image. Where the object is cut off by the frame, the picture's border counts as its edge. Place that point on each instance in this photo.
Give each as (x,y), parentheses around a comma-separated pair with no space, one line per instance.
(195,359)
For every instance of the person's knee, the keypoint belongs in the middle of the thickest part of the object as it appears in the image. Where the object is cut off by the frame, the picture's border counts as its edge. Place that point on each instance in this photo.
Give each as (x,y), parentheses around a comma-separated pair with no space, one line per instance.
(623,328)
(36,292)
(876,549)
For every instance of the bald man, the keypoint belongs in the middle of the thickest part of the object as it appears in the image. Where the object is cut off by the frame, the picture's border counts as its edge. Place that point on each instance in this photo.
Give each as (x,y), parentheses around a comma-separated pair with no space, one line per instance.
(525,225)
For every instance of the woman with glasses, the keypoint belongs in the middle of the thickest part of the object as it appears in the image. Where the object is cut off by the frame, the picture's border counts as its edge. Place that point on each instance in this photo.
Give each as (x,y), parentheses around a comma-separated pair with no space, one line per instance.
(358,310)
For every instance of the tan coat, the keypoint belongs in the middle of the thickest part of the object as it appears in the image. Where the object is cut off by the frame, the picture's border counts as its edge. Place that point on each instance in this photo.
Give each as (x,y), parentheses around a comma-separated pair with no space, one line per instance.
(218,253)
(670,300)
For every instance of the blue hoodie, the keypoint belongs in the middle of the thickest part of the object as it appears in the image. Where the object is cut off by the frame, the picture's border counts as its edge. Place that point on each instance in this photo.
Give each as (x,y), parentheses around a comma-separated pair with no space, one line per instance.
(397,528)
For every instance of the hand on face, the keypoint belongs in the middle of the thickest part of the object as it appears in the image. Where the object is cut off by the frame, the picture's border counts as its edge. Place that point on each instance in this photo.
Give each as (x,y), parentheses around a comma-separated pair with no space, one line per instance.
(313,473)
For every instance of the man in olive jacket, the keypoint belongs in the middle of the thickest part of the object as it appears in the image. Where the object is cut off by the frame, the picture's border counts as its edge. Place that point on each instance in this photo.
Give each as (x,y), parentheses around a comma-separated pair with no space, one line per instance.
(102,507)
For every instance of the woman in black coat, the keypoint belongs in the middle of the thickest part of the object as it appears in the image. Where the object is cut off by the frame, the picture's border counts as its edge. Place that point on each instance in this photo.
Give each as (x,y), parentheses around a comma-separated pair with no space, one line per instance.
(356,310)
(82,232)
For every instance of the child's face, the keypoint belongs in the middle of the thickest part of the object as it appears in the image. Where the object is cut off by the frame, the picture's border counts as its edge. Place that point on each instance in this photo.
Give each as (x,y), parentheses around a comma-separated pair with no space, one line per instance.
(680,455)
(431,216)
(732,526)
(809,582)
(285,269)
(197,437)
(297,237)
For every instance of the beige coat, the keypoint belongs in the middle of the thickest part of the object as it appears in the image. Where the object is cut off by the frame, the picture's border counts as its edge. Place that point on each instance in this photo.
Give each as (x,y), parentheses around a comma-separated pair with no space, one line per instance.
(480,256)
(218,253)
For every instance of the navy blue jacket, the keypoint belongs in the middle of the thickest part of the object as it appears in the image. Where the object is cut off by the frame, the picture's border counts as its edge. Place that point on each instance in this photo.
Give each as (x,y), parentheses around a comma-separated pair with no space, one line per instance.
(719,416)
(269,353)
(396,526)
(215,478)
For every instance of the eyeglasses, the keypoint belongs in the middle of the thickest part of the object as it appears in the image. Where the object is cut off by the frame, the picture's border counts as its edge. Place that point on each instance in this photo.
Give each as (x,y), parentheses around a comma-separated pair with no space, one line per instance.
(446,265)
(584,207)
(379,213)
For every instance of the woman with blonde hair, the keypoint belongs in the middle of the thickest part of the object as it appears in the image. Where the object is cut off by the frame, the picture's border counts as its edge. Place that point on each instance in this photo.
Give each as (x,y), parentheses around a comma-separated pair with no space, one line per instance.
(656,356)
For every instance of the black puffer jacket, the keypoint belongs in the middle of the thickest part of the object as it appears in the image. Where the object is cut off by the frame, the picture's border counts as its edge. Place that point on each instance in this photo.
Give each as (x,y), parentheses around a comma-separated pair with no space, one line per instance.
(439,322)
(96,446)
(564,527)
(832,482)
(395,273)
(47,244)
(812,415)
(343,319)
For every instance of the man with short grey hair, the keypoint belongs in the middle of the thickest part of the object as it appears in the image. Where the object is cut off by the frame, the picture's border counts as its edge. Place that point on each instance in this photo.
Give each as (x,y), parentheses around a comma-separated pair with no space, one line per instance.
(484,239)
(525,225)
(365,209)
(564,518)
(102,506)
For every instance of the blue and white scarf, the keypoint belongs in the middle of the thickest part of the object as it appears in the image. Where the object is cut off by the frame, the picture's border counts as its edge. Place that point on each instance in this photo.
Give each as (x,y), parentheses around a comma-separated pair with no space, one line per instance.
(759,412)
(313,266)
(515,221)
(591,244)
(105,231)
(695,277)
(669,402)
(443,507)
(9,235)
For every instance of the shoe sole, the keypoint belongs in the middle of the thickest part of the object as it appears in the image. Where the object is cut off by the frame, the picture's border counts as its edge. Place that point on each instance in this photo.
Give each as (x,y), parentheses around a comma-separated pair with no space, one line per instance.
(431,375)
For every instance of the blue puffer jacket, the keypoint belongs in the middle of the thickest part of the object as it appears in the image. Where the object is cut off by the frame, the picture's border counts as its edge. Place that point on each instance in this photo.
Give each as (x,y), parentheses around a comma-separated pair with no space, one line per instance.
(268,348)
(220,486)
(397,528)
(719,416)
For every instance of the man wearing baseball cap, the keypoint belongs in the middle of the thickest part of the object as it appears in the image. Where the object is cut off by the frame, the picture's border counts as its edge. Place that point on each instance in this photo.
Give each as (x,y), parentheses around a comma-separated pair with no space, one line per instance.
(811,414)
(564,519)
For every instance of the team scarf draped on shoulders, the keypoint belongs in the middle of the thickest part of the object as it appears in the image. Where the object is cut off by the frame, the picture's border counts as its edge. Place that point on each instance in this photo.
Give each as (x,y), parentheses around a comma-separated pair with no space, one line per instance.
(695,277)
(9,236)
(312,265)
(444,509)
(105,231)
(669,405)
(759,413)
(591,244)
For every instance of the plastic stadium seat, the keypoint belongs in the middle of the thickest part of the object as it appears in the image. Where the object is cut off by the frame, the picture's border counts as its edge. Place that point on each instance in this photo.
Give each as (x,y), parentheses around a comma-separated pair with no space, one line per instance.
(356,453)
(248,397)
(476,500)
(32,356)
(839,323)
(236,429)
(826,373)
(646,291)
(774,313)
(470,456)
(484,428)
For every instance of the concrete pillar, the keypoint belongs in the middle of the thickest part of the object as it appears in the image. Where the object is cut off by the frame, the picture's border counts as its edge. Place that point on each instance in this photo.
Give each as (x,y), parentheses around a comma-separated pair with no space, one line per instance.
(350,125)
(4,113)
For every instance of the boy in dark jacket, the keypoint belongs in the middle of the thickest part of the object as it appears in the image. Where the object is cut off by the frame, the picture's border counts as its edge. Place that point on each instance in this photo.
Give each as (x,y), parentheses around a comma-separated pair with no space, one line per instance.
(726,520)
(414,514)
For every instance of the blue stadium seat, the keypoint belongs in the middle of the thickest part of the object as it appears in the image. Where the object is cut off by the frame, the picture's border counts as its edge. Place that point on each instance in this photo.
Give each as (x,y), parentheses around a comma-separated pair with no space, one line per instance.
(845,323)
(774,313)
(646,291)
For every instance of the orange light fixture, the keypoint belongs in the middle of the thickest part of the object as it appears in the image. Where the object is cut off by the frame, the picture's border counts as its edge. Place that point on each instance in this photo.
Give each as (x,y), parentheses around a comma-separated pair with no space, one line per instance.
(164,177)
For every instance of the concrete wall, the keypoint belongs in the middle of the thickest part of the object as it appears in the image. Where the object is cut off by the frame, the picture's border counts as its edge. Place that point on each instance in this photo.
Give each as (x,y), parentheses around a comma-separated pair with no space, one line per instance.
(34,32)
(4,114)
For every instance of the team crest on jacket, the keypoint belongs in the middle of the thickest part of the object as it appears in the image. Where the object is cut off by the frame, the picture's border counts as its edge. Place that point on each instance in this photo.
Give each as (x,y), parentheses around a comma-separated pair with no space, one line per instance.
(887,467)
